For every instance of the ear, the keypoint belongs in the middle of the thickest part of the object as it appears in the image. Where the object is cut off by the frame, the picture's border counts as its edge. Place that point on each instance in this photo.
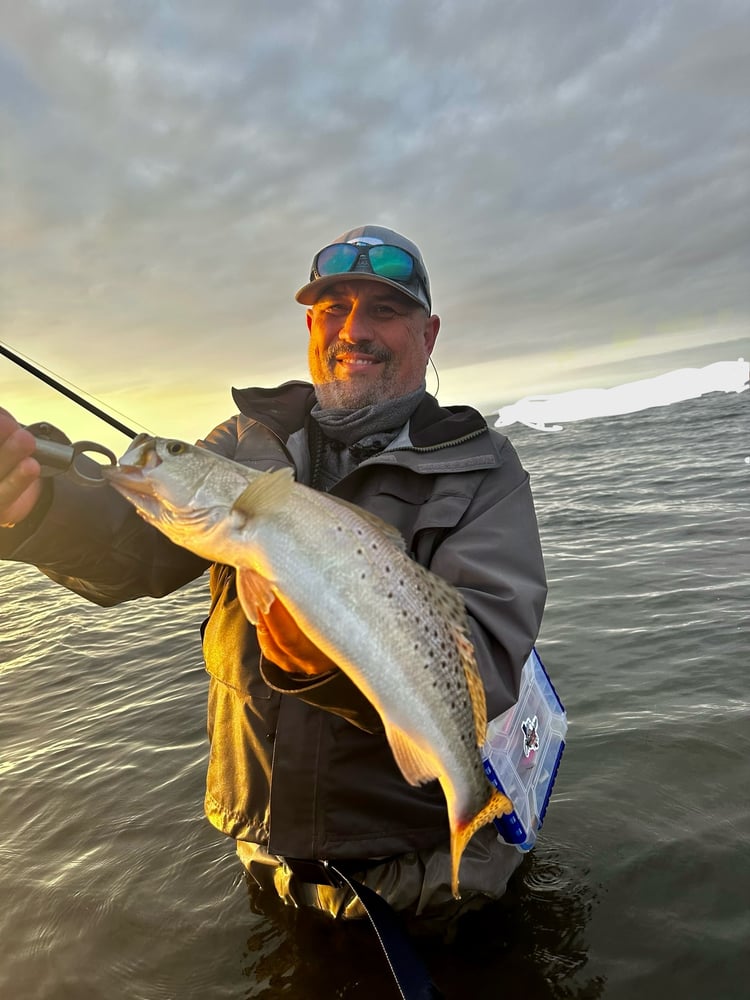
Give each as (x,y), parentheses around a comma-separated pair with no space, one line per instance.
(308,316)
(431,329)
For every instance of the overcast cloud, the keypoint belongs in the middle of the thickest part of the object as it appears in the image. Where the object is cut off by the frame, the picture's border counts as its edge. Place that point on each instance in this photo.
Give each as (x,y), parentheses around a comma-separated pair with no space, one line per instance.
(576,174)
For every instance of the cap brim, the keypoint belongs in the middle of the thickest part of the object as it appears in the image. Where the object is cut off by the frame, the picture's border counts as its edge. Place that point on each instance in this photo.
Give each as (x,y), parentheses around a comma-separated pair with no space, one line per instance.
(309,294)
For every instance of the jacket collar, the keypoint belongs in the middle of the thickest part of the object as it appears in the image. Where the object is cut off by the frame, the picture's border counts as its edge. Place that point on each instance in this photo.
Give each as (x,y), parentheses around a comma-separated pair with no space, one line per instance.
(284,409)
(432,424)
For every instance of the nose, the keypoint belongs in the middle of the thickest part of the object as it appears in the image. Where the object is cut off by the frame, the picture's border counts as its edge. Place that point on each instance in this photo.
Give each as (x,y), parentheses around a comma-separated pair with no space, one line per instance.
(355,327)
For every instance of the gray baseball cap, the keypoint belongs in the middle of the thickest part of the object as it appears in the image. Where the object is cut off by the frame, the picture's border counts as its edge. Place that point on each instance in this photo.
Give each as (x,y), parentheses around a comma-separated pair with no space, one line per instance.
(406,272)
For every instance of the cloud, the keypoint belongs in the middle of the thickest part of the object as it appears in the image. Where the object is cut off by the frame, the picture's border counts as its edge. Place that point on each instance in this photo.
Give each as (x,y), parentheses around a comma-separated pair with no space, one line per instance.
(576,174)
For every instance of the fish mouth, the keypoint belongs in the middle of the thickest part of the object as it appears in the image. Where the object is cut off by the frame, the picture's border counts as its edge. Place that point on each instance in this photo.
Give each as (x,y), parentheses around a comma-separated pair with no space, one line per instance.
(126,475)
(138,488)
(132,471)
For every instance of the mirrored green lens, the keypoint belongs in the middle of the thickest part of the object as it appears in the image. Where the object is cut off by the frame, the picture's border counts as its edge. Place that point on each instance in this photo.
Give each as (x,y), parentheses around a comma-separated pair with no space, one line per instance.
(337,259)
(391,262)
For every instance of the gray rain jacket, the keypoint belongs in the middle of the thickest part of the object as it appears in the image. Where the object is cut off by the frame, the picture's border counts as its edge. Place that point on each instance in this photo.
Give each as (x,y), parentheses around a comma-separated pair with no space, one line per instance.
(304,768)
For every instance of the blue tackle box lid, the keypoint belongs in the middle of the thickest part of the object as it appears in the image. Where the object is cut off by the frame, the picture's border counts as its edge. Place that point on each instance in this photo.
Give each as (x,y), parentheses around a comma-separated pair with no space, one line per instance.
(522,753)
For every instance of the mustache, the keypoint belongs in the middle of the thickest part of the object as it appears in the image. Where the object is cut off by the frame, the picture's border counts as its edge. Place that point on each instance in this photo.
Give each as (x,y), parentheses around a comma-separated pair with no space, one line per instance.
(340,349)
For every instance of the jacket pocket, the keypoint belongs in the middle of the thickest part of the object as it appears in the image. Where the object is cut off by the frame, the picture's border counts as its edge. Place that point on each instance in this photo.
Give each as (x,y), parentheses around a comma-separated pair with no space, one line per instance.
(424,509)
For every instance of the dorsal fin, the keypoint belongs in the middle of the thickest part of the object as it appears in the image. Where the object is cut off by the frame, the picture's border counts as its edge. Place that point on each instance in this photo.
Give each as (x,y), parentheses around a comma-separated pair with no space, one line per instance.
(393,534)
(265,493)
(453,610)
(473,681)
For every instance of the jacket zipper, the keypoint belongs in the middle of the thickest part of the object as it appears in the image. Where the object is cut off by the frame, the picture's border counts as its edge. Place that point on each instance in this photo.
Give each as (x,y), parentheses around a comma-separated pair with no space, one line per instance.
(442,445)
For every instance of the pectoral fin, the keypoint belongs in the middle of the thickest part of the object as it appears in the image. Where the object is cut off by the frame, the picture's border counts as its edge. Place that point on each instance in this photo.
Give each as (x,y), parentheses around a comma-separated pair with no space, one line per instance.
(265,493)
(255,593)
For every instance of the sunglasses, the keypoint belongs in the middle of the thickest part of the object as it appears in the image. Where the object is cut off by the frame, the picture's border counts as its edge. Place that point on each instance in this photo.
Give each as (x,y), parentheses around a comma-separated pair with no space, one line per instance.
(385,261)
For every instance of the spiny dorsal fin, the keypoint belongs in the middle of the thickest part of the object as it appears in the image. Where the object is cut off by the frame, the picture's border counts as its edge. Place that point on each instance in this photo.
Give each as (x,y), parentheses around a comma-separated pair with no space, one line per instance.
(265,494)
(393,534)
(415,765)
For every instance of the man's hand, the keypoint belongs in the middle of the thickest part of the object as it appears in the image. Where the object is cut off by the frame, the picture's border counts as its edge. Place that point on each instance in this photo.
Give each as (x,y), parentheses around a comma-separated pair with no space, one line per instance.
(284,644)
(20,483)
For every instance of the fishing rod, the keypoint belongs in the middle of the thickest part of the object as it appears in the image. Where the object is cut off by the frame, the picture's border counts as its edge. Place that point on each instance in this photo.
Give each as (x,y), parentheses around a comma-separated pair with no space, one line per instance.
(44,377)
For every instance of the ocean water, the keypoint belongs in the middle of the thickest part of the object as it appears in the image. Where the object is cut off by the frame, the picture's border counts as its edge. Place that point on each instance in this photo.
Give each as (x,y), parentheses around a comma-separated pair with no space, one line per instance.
(114,886)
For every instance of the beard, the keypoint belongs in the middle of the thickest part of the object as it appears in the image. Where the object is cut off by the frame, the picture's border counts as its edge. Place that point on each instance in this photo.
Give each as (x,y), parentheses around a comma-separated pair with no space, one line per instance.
(351,393)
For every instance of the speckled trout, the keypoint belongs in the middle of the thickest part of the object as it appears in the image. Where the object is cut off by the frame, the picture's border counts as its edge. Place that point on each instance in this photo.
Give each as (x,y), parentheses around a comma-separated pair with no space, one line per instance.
(397,630)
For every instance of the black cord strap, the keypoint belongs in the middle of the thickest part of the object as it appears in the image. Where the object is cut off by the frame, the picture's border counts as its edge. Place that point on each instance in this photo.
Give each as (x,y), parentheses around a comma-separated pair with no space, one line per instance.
(409,971)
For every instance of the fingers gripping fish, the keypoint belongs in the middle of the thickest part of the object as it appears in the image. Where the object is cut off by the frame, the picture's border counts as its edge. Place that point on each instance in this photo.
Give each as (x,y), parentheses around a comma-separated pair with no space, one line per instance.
(397,630)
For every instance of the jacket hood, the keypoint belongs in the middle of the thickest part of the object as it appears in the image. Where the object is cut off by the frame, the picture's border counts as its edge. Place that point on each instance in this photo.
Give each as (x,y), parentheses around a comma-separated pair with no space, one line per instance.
(284,409)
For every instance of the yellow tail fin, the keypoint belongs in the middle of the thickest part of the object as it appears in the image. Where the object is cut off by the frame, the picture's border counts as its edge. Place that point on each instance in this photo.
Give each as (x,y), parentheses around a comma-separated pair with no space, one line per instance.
(497,805)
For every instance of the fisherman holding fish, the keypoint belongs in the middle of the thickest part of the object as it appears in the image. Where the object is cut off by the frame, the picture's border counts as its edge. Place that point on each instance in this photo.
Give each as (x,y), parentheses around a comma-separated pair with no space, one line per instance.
(374,594)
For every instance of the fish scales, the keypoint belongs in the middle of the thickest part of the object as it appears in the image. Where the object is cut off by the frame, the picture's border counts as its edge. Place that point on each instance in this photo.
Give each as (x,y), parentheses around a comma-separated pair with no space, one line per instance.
(375,603)
(397,630)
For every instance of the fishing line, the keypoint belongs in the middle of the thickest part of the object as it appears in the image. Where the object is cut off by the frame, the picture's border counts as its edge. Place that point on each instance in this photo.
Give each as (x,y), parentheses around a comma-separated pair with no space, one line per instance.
(42,374)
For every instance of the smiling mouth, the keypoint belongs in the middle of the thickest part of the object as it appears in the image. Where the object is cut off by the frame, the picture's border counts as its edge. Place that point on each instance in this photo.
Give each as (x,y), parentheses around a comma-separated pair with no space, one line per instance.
(361,362)
(358,358)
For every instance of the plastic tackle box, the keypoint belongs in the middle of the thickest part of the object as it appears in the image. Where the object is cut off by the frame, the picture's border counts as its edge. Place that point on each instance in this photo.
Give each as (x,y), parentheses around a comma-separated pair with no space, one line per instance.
(522,753)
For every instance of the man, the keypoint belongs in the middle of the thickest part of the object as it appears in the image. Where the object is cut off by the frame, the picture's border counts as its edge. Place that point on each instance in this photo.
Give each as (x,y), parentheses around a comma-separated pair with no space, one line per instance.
(299,767)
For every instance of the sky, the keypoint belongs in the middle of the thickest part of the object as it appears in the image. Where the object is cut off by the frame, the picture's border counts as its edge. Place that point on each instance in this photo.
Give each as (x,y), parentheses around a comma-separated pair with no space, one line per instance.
(576,173)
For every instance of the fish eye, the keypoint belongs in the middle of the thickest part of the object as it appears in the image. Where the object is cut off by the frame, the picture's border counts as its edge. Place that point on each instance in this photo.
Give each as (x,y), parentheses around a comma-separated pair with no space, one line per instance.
(175,447)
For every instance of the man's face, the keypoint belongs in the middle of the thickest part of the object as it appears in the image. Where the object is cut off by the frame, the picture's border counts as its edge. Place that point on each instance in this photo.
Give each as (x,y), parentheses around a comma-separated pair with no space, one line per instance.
(368,343)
